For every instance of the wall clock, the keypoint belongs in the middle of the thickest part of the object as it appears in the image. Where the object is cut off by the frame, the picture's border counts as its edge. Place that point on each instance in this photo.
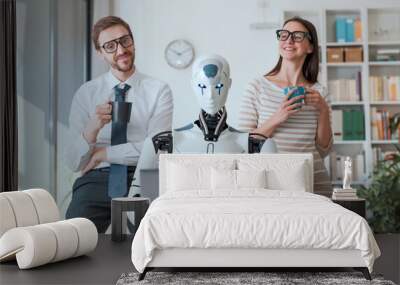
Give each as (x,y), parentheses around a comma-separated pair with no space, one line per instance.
(179,54)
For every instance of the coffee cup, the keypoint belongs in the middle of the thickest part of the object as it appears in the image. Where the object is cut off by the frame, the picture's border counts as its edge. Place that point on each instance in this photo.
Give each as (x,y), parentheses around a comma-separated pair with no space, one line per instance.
(297,91)
(121,111)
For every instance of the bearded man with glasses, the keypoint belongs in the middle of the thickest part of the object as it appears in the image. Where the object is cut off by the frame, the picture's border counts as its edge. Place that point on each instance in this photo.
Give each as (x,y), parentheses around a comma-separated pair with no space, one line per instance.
(104,149)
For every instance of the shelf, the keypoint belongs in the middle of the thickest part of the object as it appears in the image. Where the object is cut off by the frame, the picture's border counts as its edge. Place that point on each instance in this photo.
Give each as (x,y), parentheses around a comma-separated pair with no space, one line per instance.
(348,142)
(340,182)
(347,103)
(338,44)
(344,64)
(385,142)
(384,103)
(384,63)
(384,43)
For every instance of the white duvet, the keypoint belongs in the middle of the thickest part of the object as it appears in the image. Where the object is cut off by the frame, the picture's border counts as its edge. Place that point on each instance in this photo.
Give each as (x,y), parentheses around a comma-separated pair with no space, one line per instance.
(250,219)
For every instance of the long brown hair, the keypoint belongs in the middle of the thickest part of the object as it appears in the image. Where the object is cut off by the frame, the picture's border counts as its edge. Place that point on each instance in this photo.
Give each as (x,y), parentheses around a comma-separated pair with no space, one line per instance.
(311,63)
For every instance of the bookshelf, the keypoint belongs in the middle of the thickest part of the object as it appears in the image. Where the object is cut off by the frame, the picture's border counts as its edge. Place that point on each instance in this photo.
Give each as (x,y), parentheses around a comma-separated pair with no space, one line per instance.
(379,39)
(344,64)
(346,103)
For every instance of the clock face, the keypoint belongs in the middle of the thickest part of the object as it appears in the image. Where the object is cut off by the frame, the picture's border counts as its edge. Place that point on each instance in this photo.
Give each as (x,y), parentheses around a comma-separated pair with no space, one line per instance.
(179,54)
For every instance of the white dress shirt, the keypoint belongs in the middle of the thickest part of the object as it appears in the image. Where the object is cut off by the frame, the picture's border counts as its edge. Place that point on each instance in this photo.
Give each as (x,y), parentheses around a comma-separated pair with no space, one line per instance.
(152,106)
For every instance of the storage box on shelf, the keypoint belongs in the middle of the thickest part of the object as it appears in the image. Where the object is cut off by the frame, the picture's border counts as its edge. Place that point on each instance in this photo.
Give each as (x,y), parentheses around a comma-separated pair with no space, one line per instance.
(353,54)
(335,54)
(344,54)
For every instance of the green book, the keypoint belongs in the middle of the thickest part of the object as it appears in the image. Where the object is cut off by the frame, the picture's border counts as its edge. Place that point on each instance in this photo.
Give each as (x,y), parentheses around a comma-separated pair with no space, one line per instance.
(358,125)
(347,125)
(354,124)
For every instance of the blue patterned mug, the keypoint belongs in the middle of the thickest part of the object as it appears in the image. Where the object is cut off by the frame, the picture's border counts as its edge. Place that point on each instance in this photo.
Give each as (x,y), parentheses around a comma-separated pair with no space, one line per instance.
(299,90)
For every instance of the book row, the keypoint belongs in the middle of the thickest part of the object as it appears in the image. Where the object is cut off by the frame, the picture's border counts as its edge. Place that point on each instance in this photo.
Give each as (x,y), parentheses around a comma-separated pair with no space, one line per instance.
(345,89)
(384,88)
(348,124)
(348,29)
(380,125)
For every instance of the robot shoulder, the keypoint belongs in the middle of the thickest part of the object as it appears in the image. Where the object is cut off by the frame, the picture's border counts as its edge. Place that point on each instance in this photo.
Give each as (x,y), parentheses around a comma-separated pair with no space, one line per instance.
(184,128)
(233,130)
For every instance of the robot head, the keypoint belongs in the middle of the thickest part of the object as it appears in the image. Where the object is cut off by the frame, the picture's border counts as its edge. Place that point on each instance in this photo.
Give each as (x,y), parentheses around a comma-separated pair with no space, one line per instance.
(211,82)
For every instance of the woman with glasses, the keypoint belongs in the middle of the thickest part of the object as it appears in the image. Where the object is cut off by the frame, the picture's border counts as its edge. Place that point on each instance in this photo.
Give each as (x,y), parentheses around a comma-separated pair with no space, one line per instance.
(297,124)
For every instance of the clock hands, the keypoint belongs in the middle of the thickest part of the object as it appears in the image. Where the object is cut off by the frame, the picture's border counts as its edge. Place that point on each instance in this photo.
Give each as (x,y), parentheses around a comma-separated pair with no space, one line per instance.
(179,53)
(174,51)
(186,50)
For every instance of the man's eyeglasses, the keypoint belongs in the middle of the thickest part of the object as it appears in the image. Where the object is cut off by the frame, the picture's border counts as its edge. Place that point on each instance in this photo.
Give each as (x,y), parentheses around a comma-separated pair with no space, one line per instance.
(297,36)
(111,46)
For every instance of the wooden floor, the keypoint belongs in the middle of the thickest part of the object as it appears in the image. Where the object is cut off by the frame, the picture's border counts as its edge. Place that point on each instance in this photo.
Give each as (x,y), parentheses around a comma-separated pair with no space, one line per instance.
(102,266)
(110,259)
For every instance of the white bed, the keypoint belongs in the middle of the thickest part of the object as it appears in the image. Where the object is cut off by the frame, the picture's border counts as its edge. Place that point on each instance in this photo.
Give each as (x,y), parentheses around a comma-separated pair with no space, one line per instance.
(203,218)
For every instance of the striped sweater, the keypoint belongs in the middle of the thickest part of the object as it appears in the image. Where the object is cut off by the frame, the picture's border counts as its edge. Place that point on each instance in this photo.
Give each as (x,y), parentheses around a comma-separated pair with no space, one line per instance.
(261,100)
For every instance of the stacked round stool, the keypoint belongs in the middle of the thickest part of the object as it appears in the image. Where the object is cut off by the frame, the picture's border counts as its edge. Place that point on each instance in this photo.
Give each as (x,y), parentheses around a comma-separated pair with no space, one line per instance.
(119,206)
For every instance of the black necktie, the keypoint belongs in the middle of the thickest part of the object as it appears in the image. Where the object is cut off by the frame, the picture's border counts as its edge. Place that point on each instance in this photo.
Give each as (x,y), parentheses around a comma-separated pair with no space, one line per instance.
(118,178)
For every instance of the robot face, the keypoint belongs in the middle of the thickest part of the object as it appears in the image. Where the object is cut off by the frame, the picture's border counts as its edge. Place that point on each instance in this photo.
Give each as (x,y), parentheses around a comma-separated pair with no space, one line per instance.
(211,82)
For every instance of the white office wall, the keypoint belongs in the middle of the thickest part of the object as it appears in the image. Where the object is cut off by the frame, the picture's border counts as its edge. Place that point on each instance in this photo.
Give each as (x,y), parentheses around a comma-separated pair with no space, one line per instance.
(213,26)
(101,8)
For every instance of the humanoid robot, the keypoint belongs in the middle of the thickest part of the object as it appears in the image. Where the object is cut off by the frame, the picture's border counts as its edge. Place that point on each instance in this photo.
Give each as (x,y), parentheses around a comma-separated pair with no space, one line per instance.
(210,133)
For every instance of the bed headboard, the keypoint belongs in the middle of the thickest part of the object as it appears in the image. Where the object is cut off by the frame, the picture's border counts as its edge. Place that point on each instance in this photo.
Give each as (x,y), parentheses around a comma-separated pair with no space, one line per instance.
(267,159)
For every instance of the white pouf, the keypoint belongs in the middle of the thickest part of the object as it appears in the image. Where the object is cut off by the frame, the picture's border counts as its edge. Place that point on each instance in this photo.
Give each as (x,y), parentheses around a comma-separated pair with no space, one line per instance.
(30,230)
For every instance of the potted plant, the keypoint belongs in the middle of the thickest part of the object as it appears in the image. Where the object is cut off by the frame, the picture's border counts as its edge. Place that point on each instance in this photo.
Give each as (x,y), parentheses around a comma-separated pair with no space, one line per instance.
(383,207)
(383,195)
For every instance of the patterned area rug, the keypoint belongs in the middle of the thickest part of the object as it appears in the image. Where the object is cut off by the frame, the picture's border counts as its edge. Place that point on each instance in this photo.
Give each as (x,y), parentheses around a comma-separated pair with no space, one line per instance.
(243,278)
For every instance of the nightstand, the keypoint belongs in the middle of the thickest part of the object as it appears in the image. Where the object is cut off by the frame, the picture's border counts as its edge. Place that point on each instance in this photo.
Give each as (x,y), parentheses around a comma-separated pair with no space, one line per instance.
(357,206)
(119,207)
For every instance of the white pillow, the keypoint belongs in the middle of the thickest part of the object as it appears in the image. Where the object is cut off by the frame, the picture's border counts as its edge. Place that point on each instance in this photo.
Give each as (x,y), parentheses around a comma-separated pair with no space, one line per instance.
(281,174)
(223,179)
(251,179)
(188,176)
(236,179)
(291,179)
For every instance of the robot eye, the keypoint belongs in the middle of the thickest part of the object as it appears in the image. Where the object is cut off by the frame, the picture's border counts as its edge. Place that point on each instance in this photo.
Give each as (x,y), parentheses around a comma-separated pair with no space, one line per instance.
(219,87)
(202,86)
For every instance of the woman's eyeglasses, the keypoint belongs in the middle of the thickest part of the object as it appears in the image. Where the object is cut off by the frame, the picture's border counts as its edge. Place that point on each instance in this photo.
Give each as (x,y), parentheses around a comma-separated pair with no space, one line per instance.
(111,46)
(297,36)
